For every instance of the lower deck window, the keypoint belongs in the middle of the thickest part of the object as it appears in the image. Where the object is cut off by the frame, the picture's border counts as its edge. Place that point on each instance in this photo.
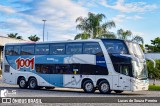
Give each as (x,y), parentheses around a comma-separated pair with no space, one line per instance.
(83,69)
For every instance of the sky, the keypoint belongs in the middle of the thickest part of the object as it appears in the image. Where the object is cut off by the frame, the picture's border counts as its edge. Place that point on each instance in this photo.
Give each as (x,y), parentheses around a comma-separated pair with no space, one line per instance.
(141,17)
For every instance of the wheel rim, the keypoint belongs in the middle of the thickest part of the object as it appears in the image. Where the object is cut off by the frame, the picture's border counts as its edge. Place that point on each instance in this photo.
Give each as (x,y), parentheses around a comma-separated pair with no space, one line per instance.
(32,84)
(22,83)
(104,87)
(89,87)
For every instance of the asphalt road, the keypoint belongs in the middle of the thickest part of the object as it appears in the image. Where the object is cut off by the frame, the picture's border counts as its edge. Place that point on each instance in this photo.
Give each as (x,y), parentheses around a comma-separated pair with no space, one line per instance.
(67,92)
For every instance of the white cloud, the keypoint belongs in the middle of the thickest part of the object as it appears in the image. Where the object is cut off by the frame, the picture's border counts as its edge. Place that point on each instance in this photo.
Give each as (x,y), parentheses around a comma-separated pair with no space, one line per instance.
(60,16)
(130,7)
(120,18)
(7,9)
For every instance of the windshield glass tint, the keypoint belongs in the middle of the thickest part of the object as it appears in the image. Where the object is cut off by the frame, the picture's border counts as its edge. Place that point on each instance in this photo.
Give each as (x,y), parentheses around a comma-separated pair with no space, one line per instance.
(135,49)
(115,47)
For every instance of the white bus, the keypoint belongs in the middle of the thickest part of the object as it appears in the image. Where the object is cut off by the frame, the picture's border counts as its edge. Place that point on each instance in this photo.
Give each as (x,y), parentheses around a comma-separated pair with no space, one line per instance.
(103,64)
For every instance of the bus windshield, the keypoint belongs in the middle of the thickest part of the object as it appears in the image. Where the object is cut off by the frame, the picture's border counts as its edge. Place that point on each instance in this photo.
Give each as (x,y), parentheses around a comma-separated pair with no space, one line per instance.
(135,50)
(115,47)
(142,73)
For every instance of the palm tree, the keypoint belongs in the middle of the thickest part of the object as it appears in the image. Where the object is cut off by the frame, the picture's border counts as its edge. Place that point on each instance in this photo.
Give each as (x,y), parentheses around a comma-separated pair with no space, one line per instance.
(124,34)
(34,38)
(82,36)
(92,26)
(138,39)
(14,35)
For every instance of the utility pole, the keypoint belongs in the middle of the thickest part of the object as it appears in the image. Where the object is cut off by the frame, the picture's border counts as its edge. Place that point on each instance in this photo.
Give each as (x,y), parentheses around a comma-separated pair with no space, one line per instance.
(43,28)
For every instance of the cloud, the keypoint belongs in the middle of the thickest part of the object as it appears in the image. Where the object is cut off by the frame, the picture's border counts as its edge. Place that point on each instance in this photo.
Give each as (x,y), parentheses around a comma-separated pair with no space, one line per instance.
(121,6)
(7,9)
(120,18)
(60,16)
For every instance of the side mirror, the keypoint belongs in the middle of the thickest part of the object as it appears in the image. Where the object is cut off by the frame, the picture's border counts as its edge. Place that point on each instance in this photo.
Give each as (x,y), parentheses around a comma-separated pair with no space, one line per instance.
(154,63)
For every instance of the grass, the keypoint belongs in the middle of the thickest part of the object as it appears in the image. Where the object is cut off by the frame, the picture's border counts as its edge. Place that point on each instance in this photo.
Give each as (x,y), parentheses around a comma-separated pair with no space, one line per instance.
(154,87)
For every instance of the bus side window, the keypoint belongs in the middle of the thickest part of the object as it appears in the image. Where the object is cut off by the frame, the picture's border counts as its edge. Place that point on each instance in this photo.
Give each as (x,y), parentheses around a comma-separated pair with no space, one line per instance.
(57,49)
(74,48)
(42,49)
(16,50)
(27,50)
(92,48)
(124,69)
(9,50)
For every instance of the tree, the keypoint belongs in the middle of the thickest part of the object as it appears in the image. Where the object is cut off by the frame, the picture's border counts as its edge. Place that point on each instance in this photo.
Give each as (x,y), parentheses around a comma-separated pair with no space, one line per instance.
(154,72)
(124,34)
(14,35)
(155,47)
(92,26)
(138,39)
(34,38)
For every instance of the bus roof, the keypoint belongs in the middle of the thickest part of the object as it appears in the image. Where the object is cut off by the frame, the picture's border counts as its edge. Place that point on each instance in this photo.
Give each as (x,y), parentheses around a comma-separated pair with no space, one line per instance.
(68,41)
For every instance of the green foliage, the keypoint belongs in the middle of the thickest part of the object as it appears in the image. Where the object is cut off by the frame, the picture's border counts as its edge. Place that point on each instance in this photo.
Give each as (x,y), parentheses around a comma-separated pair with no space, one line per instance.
(124,34)
(154,87)
(92,26)
(14,35)
(154,72)
(138,39)
(142,47)
(155,47)
(34,38)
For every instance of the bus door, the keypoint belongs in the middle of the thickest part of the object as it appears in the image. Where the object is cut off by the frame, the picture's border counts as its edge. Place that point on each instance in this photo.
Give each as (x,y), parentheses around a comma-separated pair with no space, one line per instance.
(73,79)
(9,75)
(124,78)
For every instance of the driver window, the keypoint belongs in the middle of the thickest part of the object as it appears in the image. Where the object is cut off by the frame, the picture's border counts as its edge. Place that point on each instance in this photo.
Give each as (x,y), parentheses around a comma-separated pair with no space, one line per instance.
(124,70)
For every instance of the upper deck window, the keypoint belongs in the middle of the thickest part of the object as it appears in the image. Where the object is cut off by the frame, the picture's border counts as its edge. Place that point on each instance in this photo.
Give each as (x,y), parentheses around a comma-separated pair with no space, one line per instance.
(9,50)
(42,49)
(115,47)
(27,50)
(57,49)
(16,50)
(74,48)
(91,48)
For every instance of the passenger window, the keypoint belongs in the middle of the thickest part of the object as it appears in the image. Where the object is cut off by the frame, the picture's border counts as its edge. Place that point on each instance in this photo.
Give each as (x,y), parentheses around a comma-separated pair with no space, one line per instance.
(27,50)
(9,50)
(42,49)
(56,49)
(63,69)
(16,50)
(76,68)
(74,48)
(92,48)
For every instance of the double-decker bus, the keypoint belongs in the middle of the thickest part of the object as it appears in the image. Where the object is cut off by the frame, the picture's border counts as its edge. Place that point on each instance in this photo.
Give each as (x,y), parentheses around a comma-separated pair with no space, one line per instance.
(103,64)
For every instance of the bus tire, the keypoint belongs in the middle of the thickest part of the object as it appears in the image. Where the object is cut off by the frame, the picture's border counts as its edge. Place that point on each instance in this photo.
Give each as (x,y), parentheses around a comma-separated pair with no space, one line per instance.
(33,83)
(49,87)
(104,87)
(22,83)
(118,91)
(88,86)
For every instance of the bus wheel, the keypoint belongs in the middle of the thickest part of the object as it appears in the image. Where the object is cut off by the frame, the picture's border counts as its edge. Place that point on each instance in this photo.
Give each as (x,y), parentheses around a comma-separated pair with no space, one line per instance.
(33,83)
(118,91)
(88,86)
(22,83)
(104,87)
(49,87)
